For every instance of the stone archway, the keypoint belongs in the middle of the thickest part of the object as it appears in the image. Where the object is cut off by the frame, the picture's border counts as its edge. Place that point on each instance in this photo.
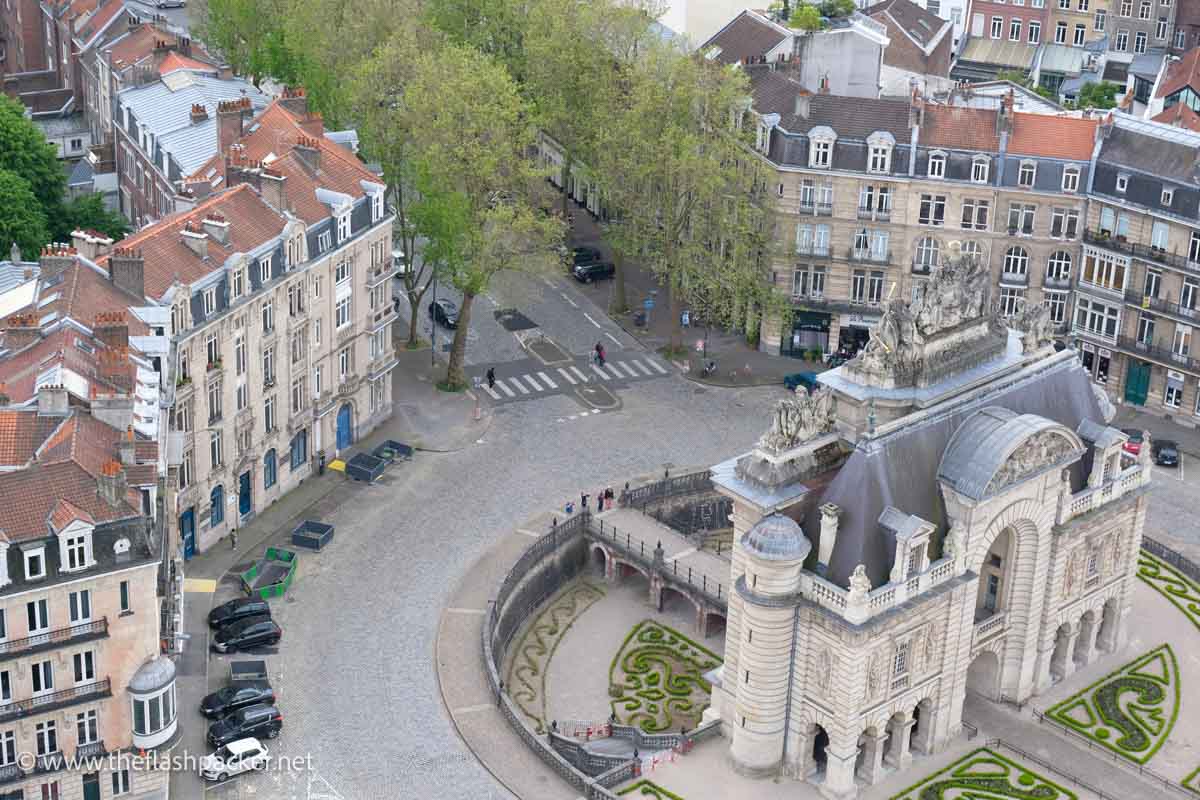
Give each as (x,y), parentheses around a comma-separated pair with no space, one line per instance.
(898,755)
(599,561)
(868,767)
(1110,624)
(714,625)
(995,576)
(1061,664)
(983,675)
(819,744)
(1085,644)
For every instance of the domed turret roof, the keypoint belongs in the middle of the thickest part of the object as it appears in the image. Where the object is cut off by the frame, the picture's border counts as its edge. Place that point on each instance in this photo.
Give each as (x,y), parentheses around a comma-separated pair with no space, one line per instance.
(777,538)
(153,675)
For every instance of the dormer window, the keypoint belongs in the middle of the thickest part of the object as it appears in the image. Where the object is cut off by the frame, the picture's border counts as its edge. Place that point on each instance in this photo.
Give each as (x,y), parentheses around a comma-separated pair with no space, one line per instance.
(75,555)
(820,151)
(210,301)
(879,152)
(239,283)
(377,206)
(937,165)
(1122,183)
(176,319)
(343,225)
(1168,195)
(1027,174)
(979,170)
(35,563)
(1070,179)
(264,269)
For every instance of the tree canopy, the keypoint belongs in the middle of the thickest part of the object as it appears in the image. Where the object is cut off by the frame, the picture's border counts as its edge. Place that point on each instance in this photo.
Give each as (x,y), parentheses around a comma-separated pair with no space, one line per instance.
(21,217)
(25,152)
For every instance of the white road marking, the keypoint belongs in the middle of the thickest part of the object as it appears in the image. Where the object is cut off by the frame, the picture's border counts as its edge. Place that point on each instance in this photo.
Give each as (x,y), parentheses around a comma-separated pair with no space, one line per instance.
(656,365)
(569,300)
(600,372)
(589,319)
(478,611)
(529,379)
(492,392)
(547,282)
(595,411)
(520,387)
(641,366)
(615,339)
(490,299)
(505,388)
(616,372)
(566,375)
(582,377)
(546,378)
(629,369)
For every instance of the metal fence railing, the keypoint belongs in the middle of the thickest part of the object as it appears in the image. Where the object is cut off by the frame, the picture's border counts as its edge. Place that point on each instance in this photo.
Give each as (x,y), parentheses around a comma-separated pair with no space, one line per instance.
(1172,557)
(689,483)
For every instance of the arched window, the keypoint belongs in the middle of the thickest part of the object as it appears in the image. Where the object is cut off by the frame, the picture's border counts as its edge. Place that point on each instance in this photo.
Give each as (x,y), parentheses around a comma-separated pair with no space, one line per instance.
(269,467)
(218,506)
(979,169)
(929,252)
(1059,266)
(1016,261)
(937,165)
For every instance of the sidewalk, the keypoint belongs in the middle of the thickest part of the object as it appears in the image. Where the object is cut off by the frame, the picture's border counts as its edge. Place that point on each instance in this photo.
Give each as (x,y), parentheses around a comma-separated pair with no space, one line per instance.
(731,352)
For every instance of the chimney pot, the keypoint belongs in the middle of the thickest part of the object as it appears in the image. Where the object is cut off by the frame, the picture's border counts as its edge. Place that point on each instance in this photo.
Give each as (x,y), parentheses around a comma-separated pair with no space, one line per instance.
(829,530)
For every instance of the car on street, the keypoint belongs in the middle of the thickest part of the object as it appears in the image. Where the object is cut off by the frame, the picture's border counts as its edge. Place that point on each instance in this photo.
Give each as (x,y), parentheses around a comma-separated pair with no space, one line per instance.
(585,255)
(241,755)
(247,633)
(1166,453)
(595,271)
(170,3)
(444,312)
(235,696)
(257,720)
(1134,445)
(238,608)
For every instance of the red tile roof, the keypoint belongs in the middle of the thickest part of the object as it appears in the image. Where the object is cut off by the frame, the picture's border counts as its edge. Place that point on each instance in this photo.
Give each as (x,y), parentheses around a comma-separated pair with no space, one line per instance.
(136,45)
(65,512)
(1052,137)
(1181,73)
(40,487)
(21,434)
(168,259)
(96,23)
(174,61)
(1181,116)
(960,128)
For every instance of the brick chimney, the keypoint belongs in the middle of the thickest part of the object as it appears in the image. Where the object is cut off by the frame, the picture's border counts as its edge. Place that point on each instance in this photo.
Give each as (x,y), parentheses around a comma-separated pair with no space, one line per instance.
(231,117)
(217,227)
(115,368)
(125,447)
(199,113)
(55,259)
(111,328)
(309,151)
(91,244)
(185,46)
(21,330)
(270,185)
(916,108)
(111,484)
(195,238)
(127,271)
(1004,116)
(295,100)
(52,401)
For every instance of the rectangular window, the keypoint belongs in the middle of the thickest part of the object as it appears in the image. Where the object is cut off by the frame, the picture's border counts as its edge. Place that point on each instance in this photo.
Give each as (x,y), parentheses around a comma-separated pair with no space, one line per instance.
(1160,30)
(125,597)
(997,27)
(239,355)
(269,421)
(1027,174)
(8,747)
(120,782)
(1080,34)
(1144,9)
(1035,31)
(1104,271)
(85,667)
(343,224)
(937,166)
(818,281)
(76,552)
(212,350)
(1014,29)
(345,362)
(214,401)
(1020,218)
(858,286)
(42,676)
(47,741)
(1167,197)
(875,288)
(1194,247)
(1159,235)
(318,380)
(933,209)
(979,170)
(342,272)
(1122,41)
(296,298)
(3,624)
(1126,8)
(298,347)
(268,367)
(1060,33)
(1182,344)
(324,240)
(1064,223)
(1070,179)
(37,613)
(1056,303)
(299,394)
(81,605)
(268,316)
(243,396)
(822,152)
(1173,394)
(1012,301)
(239,283)
(210,301)
(1101,19)
(1152,283)
(1139,42)
(1096,317)
(880,159)
(215,449)
(900,664)
(341,312)
(1145,329)
(975,215)
(187,469)
(1180,43)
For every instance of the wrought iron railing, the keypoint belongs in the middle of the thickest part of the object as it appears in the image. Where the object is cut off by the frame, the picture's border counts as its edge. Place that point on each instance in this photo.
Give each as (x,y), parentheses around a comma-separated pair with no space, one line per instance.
(54,638)
(46,702)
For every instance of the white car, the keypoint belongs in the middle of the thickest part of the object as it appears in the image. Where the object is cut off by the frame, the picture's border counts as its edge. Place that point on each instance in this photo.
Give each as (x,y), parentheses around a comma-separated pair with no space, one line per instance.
(233,759)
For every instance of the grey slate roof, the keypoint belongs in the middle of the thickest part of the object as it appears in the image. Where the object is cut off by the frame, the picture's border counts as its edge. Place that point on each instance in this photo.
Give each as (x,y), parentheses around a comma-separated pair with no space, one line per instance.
(850,117)
(1099,434)
(81,173)
(1146,65)
(13,274)
(152,676)
(981,446)
(900,468)
(1173,153)
(166,113)
(920,25)
(777,538)
(746,36)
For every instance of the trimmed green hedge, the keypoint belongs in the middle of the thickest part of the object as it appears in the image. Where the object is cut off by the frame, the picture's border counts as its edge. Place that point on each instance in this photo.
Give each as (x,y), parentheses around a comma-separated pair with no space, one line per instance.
(1181,591)
(1000,777)
(1192,781)
(658,673)
(650,789)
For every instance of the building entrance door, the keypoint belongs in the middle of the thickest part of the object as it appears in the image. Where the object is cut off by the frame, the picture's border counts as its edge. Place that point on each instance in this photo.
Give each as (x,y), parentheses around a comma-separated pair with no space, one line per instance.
(345,431)
(244,497)
(187,533)
(1137,382)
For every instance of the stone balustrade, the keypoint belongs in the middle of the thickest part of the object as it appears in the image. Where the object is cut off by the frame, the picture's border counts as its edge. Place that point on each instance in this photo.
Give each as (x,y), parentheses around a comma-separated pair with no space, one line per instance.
(1093,497)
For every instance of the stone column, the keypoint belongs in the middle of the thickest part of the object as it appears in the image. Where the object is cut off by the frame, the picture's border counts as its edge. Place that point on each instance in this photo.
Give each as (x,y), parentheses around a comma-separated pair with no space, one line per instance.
(1089,643)
(1068,663)
(922,738)
(1046,671)
(839,771)
(898,755)
(872,768)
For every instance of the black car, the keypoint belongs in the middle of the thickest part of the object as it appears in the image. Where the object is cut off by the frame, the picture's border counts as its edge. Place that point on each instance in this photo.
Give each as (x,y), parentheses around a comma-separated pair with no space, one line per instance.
(247,633)
(238,695)
(444,312)
(597,270)
(260,720)
(236,609)
(585,255)
(1166,453)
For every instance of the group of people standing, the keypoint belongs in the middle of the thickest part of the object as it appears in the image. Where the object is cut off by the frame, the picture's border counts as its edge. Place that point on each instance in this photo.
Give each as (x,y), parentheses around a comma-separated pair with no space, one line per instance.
(604,499)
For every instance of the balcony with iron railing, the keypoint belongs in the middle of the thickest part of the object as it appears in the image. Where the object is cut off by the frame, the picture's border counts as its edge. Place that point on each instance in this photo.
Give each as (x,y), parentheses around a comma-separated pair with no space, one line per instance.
(42,703)
(810,249)
(1156,352)
(1151,253)
(1014,279)
(865,254)
(1052,282)
(1162,306)
(875,214)
(381,273)
(74,634)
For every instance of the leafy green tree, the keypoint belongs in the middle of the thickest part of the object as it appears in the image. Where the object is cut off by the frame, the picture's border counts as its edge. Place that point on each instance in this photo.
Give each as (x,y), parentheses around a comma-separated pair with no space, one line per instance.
(250,35)
(25,151)
(493,27)
(805,18)
(21,217)
(1098,95)
(837,8)
(1017,76)
(89,213)
(472,140)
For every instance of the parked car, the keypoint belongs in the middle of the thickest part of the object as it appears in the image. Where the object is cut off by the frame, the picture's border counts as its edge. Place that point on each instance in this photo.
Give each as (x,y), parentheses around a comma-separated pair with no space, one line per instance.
(1134,445)
(585,255)
(444,312)
(235,696)
(232,759)
(257,720)
(239,608)
(1166,453)
(247,633)
(595,271)
(170,3)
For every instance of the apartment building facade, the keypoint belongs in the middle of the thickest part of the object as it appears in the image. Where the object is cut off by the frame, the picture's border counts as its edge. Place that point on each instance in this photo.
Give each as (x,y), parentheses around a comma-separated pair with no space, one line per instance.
(1138,292)
(81,670)
(1136,26)
(1076,22)
(279,289)
(873,194)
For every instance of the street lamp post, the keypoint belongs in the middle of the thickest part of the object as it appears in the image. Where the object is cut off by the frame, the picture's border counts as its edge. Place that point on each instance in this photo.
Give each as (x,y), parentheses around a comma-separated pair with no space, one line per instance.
(433,327)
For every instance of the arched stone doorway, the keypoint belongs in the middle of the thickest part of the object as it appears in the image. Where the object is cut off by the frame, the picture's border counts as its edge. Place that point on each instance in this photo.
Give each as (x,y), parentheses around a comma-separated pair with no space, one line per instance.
(868,766)
(1106,640)
(983,675)
(1085,645)
(599,562)
(1061,664)
(820,743)
(900,727)
(923,727)
(714,625)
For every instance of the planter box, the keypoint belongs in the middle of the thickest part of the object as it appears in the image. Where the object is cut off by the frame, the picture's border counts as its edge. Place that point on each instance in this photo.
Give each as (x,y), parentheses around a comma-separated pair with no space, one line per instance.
(365,467)
(391,450)
(312,535)
(248,670)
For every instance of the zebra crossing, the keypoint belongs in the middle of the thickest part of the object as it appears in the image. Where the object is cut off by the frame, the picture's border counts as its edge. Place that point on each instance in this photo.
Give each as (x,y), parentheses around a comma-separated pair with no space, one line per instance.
(539,380)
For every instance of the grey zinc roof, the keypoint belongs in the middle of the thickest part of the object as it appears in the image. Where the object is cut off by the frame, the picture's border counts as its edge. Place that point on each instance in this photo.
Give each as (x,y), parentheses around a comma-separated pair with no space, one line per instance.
(747,35)
(152,676)
(850,117)
(903,526)
(777,538)
(12,274)
(1099,434)
(1147,65)
(81,173)
(166,112)
(1151,147)
(900,468)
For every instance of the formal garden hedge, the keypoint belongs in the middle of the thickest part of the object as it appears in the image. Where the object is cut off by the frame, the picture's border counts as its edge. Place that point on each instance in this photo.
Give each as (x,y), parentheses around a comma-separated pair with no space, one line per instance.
(1137,728)
(1183,593)
(645,788)
(982,774)
(656,680)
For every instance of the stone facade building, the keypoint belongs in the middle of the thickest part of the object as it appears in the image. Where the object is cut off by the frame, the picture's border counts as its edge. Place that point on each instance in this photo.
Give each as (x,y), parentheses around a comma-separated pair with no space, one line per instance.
(948,514)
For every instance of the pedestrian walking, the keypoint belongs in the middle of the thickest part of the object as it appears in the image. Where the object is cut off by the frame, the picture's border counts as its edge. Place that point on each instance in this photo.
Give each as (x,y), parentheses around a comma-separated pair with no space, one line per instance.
(600,500)
(233,540)
(491,377)
(600,353)
(583,498)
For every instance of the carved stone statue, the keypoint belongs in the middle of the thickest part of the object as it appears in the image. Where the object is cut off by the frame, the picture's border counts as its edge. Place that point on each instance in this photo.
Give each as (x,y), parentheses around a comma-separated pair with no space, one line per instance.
(954,546)
(798,419)
(860,584)
(957,292)
(875,676)
(930,644)
(1069,573)
(1035,326)
(824,669)
(1037,452)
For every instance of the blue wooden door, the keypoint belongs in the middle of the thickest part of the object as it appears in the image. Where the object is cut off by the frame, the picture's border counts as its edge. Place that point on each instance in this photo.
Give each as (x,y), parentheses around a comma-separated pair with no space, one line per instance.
(187,533)
(244,497)
(345,432)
